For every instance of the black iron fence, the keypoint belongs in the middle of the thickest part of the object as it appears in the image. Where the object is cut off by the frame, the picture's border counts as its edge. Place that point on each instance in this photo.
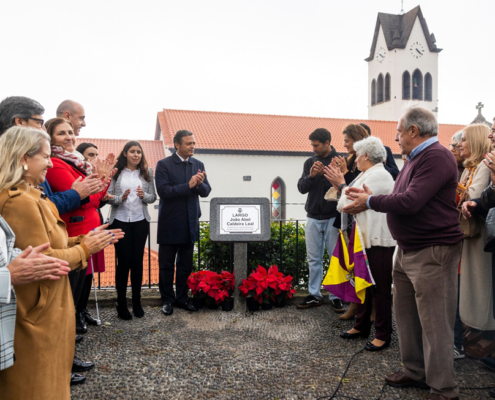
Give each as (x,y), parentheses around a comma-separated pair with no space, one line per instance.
(286,249)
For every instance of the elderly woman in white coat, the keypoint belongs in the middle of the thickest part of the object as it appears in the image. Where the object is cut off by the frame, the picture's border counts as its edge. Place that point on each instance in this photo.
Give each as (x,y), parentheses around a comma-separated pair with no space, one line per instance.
(131,190)
(377,240)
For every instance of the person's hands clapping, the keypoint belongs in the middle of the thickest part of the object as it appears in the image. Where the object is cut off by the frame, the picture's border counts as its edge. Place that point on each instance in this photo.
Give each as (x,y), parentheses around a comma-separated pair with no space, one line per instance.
(341,162)
(359,199)
(87,186)
(125,195)
(32,266)
(99,238)
(316,169)
(467,208)
(200,177)
(140,192)
(334,175)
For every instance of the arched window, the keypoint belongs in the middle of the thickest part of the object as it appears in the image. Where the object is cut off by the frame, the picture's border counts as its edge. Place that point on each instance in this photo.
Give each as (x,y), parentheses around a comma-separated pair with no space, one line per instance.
(278,199)
(417,79)
(379,89)
(387,87)
(428,87)
(373,92)
(406,85)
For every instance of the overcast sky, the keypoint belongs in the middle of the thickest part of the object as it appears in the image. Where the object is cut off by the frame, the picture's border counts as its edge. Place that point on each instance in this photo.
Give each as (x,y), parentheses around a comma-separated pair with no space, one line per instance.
(126,60)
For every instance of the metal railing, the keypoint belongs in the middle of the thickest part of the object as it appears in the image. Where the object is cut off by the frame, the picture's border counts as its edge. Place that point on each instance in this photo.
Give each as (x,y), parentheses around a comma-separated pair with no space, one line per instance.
(281,250)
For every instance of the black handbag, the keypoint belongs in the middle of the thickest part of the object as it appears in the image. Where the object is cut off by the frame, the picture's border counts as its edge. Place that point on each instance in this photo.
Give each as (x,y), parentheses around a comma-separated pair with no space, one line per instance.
(490,231)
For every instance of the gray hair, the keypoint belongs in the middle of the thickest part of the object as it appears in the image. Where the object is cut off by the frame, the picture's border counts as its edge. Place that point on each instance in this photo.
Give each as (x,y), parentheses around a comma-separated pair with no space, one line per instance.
(17,107)
(425,121)
(15,143)
(457,136)
(373,147)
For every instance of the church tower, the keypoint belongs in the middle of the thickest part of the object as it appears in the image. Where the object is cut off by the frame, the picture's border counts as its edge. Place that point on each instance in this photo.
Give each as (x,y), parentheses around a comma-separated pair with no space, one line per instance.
(402,66)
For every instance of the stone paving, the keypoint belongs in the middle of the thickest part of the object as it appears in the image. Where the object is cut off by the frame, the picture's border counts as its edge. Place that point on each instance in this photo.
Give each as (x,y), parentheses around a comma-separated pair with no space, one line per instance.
(280,354)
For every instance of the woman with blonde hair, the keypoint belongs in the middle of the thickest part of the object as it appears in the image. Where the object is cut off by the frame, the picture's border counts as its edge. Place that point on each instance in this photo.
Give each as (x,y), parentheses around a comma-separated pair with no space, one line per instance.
(44,327)
(476,291)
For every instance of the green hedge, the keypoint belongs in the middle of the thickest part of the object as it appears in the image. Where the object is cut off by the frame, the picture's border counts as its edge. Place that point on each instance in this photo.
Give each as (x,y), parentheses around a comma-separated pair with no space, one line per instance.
(286,259)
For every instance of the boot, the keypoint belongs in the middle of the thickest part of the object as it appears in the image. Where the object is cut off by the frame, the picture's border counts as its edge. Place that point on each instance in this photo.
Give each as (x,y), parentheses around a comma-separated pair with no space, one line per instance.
(123,311)
(80,324)
(137,310)
(89,319)
(351,312)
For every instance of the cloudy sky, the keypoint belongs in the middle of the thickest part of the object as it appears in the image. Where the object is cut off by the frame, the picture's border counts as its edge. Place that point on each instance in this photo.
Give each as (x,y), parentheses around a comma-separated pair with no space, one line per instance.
(126,60)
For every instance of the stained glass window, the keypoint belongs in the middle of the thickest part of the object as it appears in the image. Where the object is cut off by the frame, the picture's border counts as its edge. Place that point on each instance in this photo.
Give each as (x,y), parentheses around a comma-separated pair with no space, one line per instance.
(278,199)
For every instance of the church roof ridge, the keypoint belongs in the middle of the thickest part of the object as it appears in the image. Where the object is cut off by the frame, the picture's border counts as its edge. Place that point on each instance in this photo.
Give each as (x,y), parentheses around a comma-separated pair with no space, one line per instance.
(403,24)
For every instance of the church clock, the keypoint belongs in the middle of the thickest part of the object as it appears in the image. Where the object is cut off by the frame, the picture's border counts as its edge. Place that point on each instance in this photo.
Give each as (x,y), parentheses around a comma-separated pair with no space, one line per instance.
(417,50)
(380,54)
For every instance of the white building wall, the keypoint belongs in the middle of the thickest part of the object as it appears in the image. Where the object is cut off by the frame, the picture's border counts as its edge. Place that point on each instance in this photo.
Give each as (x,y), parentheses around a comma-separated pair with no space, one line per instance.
(397,61)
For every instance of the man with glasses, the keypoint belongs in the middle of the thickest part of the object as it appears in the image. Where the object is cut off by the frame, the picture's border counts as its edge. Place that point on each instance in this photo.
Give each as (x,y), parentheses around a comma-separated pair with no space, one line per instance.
(73,112)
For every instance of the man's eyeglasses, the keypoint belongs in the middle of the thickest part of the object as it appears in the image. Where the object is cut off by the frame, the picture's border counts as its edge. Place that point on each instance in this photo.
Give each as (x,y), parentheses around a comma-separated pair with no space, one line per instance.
(40,121)
(453,146)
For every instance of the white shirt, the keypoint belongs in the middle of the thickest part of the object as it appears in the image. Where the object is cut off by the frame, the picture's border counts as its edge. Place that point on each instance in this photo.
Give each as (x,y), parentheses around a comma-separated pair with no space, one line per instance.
(130,210)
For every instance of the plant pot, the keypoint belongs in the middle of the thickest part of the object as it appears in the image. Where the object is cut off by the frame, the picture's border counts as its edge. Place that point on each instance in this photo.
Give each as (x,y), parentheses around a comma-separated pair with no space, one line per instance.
(198,302)
(213,305)
(279,304)
(266,306)
(252,304)
(228,305)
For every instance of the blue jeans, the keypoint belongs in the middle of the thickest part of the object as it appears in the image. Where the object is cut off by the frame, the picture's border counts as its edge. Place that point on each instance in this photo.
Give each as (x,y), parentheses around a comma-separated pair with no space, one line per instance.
(319,233)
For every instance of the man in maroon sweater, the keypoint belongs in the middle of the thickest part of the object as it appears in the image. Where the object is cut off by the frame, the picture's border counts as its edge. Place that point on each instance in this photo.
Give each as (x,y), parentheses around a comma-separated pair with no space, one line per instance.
(423,218)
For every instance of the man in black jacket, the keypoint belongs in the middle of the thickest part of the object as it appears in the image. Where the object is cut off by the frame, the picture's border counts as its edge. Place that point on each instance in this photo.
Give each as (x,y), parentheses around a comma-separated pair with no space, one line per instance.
(180,181)
(321,214)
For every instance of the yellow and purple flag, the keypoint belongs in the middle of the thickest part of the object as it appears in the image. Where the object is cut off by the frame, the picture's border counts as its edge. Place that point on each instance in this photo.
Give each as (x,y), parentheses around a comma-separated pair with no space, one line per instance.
(349,273)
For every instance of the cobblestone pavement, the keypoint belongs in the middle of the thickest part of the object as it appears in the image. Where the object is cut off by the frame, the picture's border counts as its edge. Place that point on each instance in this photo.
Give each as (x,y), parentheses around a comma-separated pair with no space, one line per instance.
(277,354)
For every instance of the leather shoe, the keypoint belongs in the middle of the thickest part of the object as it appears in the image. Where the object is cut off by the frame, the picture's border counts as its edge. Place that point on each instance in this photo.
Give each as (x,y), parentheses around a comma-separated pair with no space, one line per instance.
(167,309)
(371,347)
(88,318)
(79,365)
(76,379)
(347,335)
(185,306)
(488,362)
(79,338)
(80,324)
(400,380)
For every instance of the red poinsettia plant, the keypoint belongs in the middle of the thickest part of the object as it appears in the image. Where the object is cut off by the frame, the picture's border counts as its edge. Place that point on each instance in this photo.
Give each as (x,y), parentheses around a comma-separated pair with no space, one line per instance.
(211,286)
(265,286)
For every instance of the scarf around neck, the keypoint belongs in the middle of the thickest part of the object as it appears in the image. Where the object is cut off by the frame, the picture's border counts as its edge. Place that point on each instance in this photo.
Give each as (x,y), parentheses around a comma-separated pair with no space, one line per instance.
(75,158)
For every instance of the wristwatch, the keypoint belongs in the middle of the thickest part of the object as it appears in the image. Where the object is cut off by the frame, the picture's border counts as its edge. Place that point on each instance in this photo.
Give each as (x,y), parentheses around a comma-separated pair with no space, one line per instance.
(341,186)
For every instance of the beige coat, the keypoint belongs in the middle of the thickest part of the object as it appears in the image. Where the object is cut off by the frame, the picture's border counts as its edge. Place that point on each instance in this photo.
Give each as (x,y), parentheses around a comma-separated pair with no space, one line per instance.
(45,324)
(476,291)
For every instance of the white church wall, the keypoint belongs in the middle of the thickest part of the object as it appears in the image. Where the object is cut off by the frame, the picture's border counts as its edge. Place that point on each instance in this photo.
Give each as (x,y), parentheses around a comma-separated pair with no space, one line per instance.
(226,171)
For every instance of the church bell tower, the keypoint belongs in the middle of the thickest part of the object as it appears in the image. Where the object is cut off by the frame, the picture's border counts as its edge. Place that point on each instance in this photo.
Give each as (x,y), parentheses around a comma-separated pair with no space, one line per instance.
(402,66)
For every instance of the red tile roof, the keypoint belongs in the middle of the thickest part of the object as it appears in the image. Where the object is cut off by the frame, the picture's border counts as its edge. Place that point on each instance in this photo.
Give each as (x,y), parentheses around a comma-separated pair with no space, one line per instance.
(278,133)
(153,149)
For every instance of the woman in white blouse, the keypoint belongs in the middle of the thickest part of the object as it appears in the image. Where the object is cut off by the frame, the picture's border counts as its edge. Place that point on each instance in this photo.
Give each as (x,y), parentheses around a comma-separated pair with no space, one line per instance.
(132,189)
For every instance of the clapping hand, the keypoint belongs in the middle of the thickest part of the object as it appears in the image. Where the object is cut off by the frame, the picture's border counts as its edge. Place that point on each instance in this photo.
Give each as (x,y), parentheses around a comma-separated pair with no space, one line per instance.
(197,179)
(334,175)
(140,192)
(125,195)
(467,208)
(359,198)
(341,163)
(104,167)
(490,163)
(316,169)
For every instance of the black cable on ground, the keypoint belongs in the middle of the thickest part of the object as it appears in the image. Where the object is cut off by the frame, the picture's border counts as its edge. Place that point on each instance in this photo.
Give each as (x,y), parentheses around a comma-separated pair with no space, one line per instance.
(334,394)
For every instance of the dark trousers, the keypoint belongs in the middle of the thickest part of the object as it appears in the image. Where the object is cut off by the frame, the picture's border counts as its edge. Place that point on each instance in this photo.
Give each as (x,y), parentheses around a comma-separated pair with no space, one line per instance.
(76,280)
(380,261)
(130,252)
(167,255)
(83,300)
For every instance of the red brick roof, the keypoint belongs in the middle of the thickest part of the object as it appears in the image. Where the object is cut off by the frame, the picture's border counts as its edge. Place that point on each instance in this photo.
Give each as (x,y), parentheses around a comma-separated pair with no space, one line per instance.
(279,133)
(153,149)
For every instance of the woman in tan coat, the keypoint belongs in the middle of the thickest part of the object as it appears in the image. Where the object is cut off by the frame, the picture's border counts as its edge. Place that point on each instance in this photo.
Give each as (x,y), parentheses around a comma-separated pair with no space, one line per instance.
(475,291)
(44,329)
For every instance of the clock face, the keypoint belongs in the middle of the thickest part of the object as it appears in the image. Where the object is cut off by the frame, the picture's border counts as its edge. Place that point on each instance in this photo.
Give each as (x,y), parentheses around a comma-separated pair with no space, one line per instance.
(380,54)
(417,50)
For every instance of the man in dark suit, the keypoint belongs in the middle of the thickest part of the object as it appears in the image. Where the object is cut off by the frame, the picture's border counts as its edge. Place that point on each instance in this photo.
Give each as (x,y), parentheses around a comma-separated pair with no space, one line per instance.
(180,180)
